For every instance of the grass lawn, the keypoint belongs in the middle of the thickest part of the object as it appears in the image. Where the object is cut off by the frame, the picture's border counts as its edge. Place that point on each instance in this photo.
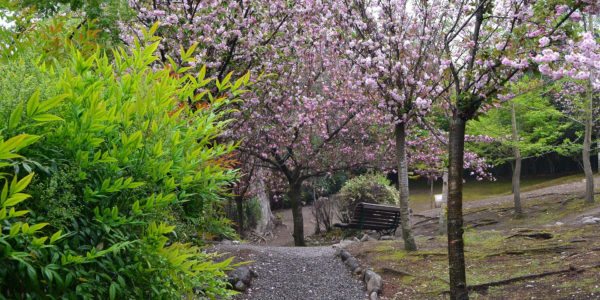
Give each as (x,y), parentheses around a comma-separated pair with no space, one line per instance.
(477,190)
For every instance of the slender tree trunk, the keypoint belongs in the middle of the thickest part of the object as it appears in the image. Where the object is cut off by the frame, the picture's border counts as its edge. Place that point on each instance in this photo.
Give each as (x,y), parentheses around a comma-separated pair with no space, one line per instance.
(516,177)
(456,255)
(240,214)
(587,136)
(589,124)
(294,195)
(431,196)
(409,241)
(443,218)
(445,186)
(587,144)
(598,149)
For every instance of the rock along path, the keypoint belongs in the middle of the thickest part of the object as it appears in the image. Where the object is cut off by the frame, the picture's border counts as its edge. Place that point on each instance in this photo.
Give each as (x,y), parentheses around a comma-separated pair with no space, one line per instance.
(297,273)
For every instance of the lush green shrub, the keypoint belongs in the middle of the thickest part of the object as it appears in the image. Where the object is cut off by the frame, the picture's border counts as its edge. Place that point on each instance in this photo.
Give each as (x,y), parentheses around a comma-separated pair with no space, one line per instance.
(370,188)
(124,149)
(251,212)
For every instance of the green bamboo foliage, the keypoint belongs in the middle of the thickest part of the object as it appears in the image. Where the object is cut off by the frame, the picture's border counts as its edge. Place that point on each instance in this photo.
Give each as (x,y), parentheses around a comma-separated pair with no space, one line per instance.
(130,147)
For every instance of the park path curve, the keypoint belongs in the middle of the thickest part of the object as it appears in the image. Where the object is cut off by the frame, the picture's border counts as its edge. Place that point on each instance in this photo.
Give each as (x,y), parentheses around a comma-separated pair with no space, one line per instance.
(302,273)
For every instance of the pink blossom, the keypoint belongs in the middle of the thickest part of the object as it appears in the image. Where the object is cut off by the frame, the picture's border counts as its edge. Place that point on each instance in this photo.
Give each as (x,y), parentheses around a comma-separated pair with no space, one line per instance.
(544,41)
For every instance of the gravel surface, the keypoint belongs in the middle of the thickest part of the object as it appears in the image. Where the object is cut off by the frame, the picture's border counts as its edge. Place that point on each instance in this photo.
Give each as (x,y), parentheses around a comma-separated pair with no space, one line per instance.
(297,273)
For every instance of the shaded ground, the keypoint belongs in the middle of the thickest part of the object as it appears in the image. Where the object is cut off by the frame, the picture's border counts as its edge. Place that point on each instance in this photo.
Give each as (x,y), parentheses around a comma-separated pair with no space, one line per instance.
(550,239)
(282,235)
(500,247)
(296,273)
(572,187)
(493,256)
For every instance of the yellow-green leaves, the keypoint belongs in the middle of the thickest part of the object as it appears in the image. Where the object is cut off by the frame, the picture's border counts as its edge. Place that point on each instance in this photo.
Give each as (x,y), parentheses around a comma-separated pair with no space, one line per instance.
(33,103)
(56,236)
(18,186)
(9,147)
(37,110)
(15,116)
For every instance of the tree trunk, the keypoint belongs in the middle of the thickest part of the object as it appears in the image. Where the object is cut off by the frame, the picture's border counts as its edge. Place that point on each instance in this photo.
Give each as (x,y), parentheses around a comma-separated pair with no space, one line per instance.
(265,224)
(587,144)
(516,177)
(456,255)
(431,195)
(589,127)
(598,149)
(294,195)
(589,123)
(240,214)
(443,218)
(445,186)
(409,241)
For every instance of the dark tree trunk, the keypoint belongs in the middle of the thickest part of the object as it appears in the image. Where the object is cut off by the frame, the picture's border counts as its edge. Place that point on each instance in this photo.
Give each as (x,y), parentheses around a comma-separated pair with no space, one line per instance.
(516,186)
(456,256)
(443,218)
(409,240)
(516,177)
(431,195)
(598,149)
(294,195)
(589,127)
(240,214)
(587,164)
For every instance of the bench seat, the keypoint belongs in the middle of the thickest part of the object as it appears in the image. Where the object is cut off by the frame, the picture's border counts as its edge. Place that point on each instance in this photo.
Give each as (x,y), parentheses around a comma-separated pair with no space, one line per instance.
(384,219)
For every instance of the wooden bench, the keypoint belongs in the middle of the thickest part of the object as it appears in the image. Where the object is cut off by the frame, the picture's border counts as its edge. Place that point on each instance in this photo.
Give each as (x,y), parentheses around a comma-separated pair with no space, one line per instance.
(367,216)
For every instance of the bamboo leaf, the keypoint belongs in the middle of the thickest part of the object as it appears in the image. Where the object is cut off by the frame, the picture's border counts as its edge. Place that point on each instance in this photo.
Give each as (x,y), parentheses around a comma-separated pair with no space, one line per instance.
(33,103)
(15,116)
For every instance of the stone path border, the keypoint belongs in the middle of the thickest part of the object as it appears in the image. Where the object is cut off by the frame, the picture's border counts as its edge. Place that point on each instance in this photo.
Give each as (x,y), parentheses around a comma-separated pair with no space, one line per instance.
(373,281)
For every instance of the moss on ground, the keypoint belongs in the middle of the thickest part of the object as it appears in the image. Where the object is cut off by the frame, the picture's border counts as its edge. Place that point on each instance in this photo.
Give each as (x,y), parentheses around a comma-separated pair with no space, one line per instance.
(491,255)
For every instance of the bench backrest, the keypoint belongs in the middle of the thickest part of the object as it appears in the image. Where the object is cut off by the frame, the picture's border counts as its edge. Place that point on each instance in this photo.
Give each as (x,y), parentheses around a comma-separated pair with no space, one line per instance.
(376,215)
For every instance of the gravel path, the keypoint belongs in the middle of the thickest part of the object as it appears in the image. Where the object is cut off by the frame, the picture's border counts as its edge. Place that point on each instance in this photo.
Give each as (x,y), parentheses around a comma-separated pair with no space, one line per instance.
(297,273)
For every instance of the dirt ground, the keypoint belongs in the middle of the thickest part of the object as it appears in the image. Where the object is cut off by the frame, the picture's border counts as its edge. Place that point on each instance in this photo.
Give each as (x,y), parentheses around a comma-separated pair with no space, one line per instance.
(423,217)
(282,235)
(548,254)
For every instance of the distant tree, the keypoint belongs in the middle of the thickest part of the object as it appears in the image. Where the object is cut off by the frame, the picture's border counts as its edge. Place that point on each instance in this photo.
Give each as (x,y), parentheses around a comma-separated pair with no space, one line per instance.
(525,126)
(576,59)
(102,15)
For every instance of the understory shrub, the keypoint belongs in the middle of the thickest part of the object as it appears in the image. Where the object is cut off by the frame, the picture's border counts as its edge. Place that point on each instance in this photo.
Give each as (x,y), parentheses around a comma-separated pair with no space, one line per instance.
(370,188)
(129,177)
(252,213)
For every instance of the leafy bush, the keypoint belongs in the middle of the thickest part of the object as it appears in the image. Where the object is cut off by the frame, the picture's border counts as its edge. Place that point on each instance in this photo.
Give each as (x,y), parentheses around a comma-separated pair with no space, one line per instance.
(123,148)
(252,213)
(370,188)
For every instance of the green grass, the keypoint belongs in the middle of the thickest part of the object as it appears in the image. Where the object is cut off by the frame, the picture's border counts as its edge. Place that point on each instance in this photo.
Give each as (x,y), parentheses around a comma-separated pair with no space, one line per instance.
(478,190)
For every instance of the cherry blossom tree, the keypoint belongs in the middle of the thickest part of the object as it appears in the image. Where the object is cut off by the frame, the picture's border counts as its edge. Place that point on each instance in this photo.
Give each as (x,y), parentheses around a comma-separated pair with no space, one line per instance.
(578,59)
(313,118)
(231,37)
(486,44)
(394,44)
